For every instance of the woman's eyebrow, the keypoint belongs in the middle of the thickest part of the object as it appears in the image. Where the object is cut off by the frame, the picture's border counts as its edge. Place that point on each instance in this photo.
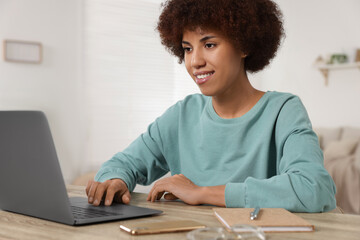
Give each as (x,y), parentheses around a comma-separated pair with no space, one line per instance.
(201,40)
(206,38)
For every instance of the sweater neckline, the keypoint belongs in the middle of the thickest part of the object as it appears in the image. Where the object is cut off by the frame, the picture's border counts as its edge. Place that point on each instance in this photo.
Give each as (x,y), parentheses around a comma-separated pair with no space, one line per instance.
(247,115)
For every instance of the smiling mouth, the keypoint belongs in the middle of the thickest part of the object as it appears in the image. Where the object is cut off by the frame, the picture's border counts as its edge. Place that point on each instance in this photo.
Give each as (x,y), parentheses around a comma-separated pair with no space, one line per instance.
(202,78)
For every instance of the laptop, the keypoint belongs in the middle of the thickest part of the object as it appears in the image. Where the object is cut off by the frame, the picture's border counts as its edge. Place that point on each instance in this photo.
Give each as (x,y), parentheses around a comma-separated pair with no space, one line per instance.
(31,182)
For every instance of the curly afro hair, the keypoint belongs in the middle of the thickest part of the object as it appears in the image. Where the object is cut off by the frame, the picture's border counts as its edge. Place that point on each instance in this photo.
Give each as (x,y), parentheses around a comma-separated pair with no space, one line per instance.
(253,26)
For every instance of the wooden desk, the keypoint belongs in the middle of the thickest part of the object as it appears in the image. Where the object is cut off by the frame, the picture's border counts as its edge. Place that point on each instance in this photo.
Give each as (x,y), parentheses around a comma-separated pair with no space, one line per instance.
(14,226)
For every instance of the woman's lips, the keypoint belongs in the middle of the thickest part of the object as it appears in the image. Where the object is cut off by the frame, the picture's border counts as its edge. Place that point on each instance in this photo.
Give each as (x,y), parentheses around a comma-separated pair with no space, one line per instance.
(203,78)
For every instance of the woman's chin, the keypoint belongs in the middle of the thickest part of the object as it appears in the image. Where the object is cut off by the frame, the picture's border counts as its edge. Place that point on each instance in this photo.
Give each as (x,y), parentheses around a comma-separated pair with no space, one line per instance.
(206,92)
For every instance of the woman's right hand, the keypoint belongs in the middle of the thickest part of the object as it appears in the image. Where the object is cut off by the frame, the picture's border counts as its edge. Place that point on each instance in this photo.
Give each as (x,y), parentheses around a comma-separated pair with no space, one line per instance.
(112,190)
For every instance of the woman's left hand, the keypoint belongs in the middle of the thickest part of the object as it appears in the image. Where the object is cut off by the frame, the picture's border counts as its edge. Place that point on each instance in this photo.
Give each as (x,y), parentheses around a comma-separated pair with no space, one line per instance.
(177,187)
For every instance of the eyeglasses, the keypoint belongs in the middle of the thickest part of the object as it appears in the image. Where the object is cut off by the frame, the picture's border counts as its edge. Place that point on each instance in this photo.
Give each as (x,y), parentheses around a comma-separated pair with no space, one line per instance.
(241,231)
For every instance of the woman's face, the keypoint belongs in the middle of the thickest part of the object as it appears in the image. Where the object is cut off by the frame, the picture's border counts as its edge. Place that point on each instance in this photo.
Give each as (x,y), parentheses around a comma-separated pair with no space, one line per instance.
(213,62)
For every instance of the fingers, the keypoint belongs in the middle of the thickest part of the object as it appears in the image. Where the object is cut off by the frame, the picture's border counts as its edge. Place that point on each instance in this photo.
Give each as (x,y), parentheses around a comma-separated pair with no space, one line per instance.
(118,191)
(159,195)
(100,192)
(110,193)
(88,186)
(91,191)
(159,188)
(108,190)
(154,193)
(177,186)
(170,196)
(126,197)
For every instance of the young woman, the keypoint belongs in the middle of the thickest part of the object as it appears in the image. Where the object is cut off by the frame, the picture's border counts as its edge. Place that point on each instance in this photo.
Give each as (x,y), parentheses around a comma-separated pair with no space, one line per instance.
(232,145)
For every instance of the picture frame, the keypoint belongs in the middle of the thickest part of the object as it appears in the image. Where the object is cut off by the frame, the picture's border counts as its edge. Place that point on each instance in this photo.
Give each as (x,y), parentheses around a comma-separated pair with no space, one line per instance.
(19,51)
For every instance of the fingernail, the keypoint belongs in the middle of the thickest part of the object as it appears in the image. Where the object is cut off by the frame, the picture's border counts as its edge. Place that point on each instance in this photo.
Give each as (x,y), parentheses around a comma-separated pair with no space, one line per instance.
(91,199)
(107,202)
(96,202)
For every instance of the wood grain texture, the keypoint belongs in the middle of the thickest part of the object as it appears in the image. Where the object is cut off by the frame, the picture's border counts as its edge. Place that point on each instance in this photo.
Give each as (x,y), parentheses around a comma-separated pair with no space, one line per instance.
(15,226)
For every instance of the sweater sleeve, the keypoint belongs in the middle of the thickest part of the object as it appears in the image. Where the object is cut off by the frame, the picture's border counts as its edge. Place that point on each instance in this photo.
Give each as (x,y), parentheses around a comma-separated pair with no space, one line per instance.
(302,184)
(141,162)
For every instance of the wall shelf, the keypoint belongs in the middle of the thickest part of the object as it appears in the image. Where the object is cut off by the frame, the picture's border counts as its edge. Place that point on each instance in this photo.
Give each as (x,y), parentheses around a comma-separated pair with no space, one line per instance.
(326,68)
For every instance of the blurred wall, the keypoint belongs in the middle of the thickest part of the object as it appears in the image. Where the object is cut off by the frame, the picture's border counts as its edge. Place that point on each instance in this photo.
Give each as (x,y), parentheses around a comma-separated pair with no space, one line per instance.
(54,86)
(316,28)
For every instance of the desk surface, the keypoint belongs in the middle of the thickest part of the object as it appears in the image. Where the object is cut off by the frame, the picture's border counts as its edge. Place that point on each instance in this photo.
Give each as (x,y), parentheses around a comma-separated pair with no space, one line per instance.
(15,226)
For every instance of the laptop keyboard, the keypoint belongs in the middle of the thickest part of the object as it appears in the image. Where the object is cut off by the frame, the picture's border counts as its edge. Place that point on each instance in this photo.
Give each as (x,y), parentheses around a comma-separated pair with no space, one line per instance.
(84,213)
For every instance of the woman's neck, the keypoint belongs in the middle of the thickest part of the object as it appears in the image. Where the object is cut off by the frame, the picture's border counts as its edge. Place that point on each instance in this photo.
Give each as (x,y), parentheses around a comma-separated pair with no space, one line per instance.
(237,101)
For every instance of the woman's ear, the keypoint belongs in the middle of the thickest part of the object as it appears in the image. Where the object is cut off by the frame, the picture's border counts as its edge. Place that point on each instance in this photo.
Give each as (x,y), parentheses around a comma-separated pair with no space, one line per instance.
(242,54)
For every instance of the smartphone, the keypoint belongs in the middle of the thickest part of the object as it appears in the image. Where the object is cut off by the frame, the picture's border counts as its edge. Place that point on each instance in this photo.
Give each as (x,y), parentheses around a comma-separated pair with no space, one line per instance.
(161,227)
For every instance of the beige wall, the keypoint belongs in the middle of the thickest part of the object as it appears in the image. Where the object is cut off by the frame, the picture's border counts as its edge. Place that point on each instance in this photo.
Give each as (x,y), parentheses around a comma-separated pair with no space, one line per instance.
(316,28)
(54,86)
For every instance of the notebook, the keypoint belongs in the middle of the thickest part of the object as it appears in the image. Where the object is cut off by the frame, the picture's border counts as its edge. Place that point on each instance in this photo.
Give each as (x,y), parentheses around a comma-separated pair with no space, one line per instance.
(269,219)
(31,182)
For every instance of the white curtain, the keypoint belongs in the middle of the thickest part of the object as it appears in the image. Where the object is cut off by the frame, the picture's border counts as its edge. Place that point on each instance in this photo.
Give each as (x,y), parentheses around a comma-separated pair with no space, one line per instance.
(130,79)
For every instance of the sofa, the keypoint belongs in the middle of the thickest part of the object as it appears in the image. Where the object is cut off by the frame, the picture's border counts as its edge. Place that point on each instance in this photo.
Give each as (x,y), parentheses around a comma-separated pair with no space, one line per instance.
(341,147)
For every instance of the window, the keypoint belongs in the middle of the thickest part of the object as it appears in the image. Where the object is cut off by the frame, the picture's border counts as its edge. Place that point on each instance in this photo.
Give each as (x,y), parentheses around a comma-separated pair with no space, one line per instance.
(128,75)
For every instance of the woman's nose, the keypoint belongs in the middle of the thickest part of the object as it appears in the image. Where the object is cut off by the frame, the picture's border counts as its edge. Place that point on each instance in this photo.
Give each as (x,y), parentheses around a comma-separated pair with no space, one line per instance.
(197,59)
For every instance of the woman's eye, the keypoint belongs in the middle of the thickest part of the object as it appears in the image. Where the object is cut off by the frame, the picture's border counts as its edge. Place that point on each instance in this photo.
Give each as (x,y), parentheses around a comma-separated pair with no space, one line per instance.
(210,45)
(186,49)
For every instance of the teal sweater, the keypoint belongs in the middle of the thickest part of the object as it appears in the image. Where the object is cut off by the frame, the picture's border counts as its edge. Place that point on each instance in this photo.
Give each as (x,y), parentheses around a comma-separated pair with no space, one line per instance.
(269,157)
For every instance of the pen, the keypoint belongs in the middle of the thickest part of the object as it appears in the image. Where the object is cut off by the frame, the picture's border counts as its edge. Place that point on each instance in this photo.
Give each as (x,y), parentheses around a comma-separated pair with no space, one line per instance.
(254,214)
